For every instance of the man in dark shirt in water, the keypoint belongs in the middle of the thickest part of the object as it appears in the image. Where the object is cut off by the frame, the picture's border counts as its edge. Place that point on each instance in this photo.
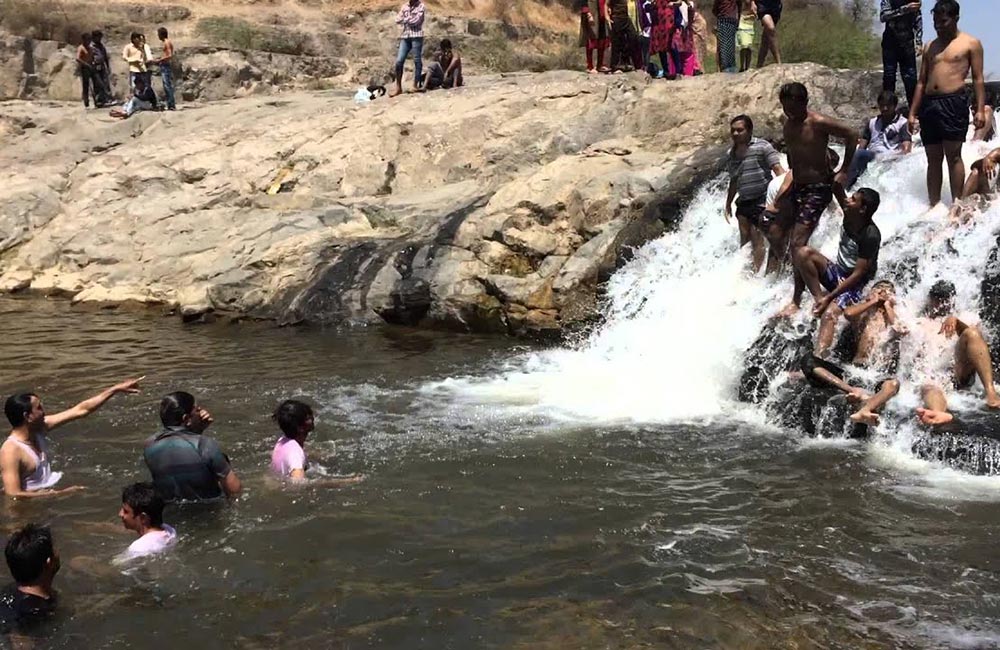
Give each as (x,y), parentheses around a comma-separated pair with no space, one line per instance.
(33,563)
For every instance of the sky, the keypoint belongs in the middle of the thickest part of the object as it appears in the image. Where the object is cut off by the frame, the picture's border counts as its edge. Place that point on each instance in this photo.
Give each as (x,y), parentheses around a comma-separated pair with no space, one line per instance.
(979,18)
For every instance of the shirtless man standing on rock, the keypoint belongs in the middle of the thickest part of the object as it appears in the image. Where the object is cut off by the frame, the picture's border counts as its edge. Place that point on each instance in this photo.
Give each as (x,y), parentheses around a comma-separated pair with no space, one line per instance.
(25,465)
(940,101)
(807,138)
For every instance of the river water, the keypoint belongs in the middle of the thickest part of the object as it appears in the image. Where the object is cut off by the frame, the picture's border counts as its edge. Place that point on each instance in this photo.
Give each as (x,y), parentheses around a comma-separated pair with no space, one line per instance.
(608,494)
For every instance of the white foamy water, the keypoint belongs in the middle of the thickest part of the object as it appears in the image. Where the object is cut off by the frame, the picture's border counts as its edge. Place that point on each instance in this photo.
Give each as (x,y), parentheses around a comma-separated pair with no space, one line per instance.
(682,313)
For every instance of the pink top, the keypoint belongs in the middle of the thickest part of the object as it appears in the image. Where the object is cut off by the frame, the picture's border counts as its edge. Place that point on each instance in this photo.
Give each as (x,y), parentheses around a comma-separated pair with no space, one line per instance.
(287,455)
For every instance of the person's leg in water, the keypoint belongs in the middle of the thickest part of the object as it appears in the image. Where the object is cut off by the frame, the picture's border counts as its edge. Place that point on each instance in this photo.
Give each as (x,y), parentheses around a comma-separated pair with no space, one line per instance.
(956,168)
(777,253)
(819,372)
(827,328)
(972,359)
(862,158)
(935,158)
(869,410)
(749,233)
(935,409)
(806,262)
(404,51)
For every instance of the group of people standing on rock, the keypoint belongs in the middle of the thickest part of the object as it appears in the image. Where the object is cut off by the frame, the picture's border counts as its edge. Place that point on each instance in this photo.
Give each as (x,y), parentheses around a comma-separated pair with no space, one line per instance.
(783,209)
(184,464)
(94,67)
(667,38)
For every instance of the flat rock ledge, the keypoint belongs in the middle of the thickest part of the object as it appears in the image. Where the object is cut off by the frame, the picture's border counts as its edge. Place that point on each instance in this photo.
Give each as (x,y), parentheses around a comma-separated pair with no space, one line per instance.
(499,207)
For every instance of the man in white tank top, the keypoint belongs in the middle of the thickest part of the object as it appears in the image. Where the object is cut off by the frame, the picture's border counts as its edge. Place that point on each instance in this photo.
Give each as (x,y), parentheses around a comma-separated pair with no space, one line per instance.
(25,464)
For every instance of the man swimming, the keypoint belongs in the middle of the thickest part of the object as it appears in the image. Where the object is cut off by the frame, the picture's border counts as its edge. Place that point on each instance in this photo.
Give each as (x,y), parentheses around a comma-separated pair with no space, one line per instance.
(25,464)
(940,101)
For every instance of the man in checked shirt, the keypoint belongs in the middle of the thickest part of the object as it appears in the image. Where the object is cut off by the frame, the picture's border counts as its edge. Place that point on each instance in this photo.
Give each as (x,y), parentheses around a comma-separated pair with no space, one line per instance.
(411,17)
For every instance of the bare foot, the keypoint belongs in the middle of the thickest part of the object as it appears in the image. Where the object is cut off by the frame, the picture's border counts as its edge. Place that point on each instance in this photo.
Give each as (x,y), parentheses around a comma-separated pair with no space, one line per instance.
(856,396)
(864,416)
(788,311)
(394,93)
(993,401)
(934,418)
(591,71)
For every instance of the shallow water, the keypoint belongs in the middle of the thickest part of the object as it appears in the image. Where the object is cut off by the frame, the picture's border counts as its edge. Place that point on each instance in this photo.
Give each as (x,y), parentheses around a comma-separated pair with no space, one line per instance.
(483,523)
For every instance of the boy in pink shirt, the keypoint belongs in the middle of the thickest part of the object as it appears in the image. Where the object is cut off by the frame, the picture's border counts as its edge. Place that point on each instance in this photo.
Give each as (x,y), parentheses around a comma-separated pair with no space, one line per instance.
(288,459)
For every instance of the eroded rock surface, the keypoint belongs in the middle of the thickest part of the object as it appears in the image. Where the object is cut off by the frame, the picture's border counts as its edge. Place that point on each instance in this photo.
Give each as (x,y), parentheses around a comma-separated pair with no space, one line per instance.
(497,207)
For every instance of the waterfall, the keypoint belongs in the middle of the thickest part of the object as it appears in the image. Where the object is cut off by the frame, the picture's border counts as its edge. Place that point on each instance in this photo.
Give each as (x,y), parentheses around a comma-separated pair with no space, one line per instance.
(681,314)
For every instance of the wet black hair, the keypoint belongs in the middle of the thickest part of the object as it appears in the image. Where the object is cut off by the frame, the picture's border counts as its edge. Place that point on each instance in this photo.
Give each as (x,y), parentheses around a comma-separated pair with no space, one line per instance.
(97,35)
(86,37)
(134,36)
(162,32)
(291,415)
(745,119)
(27,552)
(888,97)
(17,407)
(949,8)
(871,200)
(143,500)
(174,407)
(445,43)
(942,290)
(794,91)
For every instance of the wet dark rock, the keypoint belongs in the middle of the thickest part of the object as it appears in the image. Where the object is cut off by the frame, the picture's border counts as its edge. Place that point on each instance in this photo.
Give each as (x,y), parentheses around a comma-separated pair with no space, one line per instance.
(777,349)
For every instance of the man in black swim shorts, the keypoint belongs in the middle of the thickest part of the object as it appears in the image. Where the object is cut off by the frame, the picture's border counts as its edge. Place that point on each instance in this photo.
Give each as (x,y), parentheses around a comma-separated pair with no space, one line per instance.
(940,101)
(769,13)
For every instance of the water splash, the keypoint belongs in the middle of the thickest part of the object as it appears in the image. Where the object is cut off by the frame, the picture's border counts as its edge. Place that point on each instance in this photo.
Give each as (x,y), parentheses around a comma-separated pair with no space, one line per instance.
(682,313)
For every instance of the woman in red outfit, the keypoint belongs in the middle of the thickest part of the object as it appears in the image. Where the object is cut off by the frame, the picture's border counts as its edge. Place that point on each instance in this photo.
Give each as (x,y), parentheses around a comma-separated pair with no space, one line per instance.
(662,36)
(595,32)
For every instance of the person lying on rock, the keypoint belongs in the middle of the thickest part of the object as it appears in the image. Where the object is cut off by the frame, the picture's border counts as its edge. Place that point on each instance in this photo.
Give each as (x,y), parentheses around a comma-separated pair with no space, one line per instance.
(25,463)
(446,70)
(875,329)
(143,99)
(883,136)
(971,357)
(752,164)
(837,285)
(981,184)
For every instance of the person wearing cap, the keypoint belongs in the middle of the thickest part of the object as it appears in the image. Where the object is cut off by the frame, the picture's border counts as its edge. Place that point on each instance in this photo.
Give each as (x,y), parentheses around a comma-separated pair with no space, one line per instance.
(971,357)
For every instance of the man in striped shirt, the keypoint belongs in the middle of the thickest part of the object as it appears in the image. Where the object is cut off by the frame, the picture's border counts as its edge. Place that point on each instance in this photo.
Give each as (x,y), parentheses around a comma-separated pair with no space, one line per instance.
(411,17)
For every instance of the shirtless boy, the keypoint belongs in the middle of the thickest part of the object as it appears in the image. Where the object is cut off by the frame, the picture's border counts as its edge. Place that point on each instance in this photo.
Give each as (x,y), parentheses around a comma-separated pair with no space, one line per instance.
(982,182)
(940,101)
(875,326)
(25,464)
(972,356)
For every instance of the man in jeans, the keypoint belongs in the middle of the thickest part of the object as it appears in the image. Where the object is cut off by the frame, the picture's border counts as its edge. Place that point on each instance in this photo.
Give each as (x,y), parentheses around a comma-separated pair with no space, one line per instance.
(88,76)
(902,40)
(411,17)
(886,134)
(166,74)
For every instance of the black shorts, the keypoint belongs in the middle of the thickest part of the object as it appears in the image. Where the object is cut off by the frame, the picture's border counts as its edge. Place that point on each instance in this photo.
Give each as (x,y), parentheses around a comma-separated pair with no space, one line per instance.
(944,118)
(753,211)
(770,8)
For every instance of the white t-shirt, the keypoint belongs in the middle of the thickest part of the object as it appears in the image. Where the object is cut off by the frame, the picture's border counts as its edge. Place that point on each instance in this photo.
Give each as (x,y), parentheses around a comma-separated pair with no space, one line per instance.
(155,541)
(773,188)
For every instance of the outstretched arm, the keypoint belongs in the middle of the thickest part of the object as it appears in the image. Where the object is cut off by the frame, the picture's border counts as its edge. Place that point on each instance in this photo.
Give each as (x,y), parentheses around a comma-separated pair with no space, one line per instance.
(88,406)
(840,194)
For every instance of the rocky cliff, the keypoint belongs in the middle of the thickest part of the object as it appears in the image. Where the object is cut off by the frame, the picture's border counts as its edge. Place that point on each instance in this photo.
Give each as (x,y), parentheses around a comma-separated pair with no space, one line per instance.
(496,207)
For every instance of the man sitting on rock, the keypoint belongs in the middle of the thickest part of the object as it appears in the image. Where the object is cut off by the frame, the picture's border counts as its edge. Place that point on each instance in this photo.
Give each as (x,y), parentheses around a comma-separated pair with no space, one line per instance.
(143,99)
(875,329)
(971,355)
(446,71)
(887,134)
